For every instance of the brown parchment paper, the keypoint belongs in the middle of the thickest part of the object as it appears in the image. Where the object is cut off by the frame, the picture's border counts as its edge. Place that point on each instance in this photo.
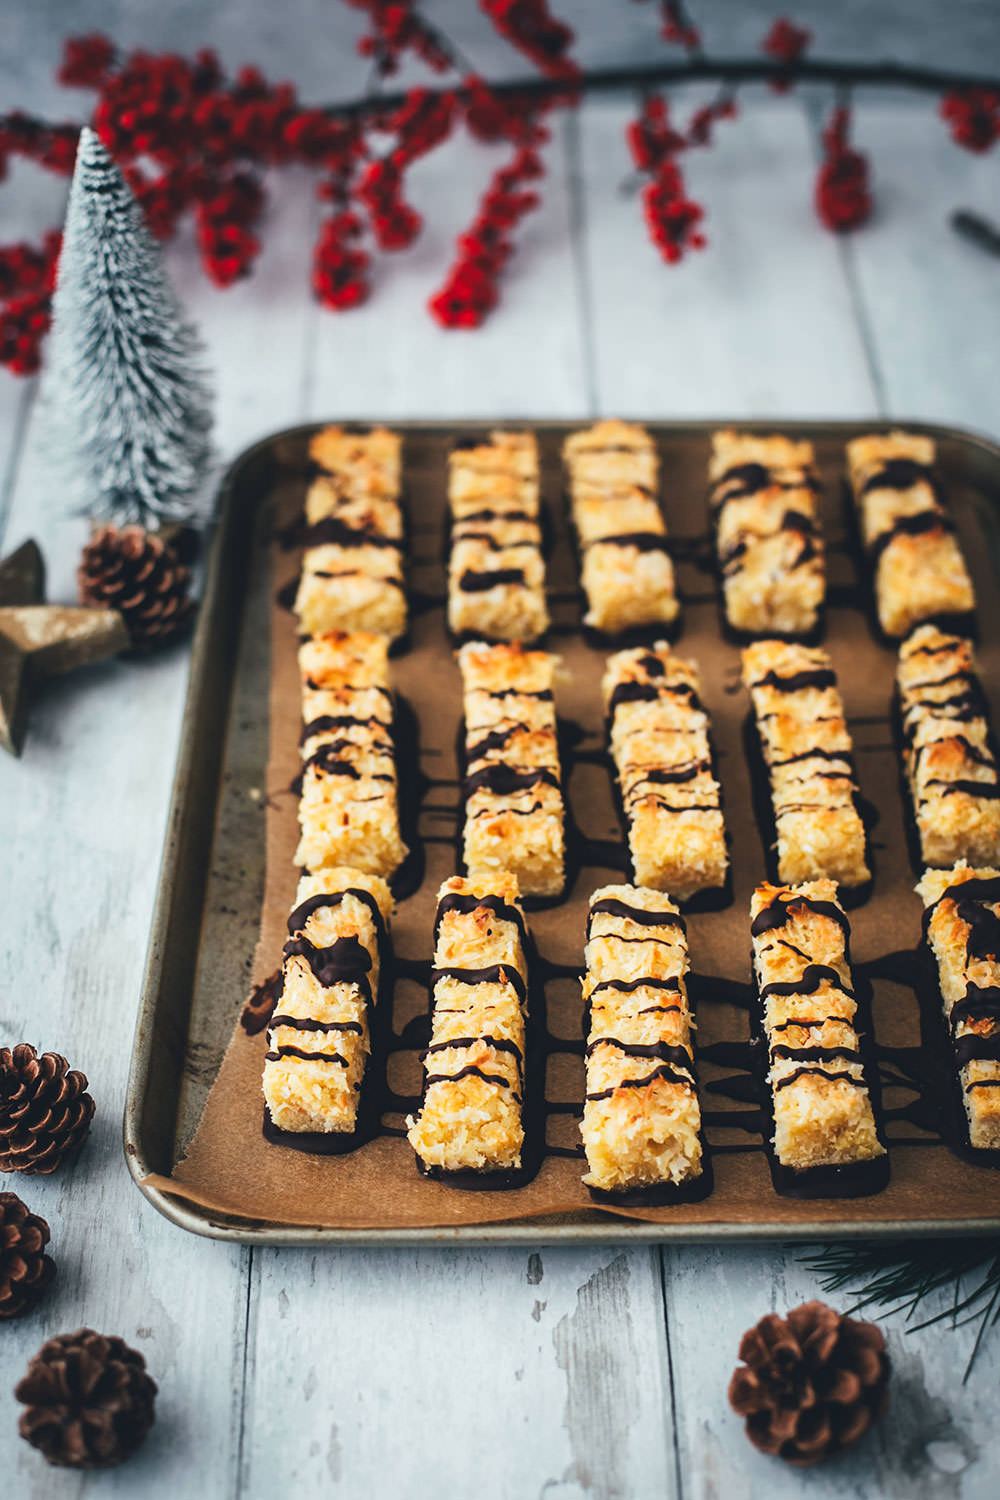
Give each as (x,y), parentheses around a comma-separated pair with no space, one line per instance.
(229,1166)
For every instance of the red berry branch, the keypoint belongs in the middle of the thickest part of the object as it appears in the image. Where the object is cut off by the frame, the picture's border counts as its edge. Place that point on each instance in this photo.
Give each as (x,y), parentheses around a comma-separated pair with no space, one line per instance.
(787,42)
(396,27)
(530,26)
(676,26)
(843,199)
(193,142)
(974,117)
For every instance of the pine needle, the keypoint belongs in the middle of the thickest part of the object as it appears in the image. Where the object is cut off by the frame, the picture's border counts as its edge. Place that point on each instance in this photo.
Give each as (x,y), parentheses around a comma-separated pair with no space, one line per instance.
(899,1278)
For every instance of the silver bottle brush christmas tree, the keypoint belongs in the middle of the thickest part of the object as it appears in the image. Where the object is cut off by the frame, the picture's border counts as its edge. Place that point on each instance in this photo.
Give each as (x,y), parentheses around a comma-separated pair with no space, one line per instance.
(131,401)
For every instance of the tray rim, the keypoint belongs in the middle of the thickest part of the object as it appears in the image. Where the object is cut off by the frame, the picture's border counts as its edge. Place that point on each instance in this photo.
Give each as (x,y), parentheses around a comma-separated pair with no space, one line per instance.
(211,1224)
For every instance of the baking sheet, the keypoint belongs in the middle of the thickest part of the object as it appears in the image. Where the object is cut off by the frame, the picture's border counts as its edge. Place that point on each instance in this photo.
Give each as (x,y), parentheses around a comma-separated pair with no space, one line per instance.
(228,1168)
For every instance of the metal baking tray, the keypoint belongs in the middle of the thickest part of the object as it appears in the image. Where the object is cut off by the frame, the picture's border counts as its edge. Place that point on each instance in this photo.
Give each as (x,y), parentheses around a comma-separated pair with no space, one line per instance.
(212,873)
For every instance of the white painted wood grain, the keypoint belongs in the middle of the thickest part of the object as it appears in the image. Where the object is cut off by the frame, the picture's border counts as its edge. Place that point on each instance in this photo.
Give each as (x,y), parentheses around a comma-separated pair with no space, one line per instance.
(33,202)
(390,356)
(757,324)
(936,1440)
(442,1372)
(930,300)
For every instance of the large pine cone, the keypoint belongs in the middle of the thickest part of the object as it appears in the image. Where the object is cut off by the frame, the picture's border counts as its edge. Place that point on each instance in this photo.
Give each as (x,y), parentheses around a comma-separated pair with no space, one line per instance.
(89,1400)
(25,1269)
(811,1384)
(45,1110)
(140,574)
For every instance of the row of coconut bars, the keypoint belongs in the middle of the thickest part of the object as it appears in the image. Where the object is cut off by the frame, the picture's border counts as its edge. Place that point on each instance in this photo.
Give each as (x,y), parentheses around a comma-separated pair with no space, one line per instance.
(514,826)
(763,500)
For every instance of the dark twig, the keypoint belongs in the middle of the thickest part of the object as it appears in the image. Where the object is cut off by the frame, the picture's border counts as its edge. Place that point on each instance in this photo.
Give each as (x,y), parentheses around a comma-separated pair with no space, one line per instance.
(727,70)
(977,230)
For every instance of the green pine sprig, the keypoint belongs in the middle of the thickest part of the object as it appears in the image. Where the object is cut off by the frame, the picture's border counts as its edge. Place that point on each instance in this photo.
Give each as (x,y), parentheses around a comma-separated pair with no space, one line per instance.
(903,1278)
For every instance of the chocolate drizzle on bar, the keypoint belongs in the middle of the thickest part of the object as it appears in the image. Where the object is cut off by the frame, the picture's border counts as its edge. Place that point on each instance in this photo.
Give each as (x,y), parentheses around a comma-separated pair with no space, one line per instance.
(614,907)
(345,966)
(811,1057)
(943,763)
(504,780)
(618,1037)
(507,522)
(813,821)
(482,1130)
(919,523)
(464,903)
(611,474)
(649,692)
(354,506)
(509,759)
(900,474)
(899,499)
(745,541)
(972,1021)
(784,909)
(664,770)
(471,582)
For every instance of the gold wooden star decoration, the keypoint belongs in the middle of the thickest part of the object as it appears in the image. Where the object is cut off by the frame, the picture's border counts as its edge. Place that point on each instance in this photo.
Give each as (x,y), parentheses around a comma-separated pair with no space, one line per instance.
(40,640)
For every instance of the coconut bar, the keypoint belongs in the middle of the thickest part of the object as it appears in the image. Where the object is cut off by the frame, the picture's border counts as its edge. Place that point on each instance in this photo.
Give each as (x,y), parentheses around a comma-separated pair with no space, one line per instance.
(962,929)
(948,753)
(625,568)
(823,1115)
(514,813)
(500,471)
(763,499)
(470,1119)
(659,736)
(319,1036)
(352,571)
(918,569)
(642,1120)
(349,806)
(809,759)
(496,574)
(365,463)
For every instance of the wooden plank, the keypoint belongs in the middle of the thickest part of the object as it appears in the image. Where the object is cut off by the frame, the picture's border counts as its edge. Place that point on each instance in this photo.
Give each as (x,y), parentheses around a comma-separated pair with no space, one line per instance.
(390,357)
(937,1439)
(444,1370)
(929,300)
(32,203)
(757,324)
(85,811)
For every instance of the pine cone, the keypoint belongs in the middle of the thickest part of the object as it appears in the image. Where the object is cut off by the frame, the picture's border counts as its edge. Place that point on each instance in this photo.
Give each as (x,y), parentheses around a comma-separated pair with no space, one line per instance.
(45,1110)
(138,573)
(811,1383)
(25,1270)
(89,1400)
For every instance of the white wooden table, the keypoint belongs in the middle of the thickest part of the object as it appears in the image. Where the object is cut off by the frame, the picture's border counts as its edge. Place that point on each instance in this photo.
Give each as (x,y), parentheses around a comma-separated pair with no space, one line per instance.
(599,1372)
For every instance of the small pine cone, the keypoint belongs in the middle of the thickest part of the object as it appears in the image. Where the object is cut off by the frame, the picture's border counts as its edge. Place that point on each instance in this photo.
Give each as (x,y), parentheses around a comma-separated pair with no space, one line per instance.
(45,1110)
(89,1400)
(811,1383)
(138,573)
(25,1269)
